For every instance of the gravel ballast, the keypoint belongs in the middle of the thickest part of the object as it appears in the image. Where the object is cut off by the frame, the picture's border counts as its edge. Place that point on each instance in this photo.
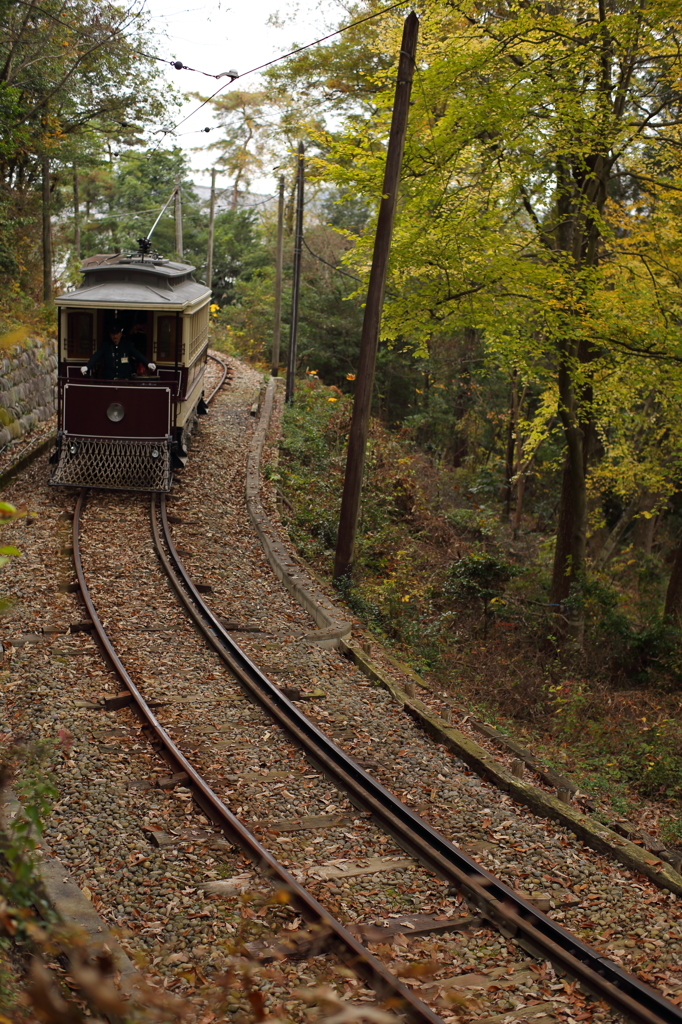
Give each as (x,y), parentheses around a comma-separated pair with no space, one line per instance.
(104,823)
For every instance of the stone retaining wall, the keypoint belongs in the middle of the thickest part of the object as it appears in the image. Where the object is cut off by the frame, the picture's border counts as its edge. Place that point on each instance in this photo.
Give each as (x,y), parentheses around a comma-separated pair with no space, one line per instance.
(28,387)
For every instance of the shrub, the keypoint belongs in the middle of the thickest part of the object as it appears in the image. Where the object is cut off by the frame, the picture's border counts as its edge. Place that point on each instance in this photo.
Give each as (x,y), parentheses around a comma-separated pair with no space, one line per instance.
(647,655)
(481,576)
(471,522)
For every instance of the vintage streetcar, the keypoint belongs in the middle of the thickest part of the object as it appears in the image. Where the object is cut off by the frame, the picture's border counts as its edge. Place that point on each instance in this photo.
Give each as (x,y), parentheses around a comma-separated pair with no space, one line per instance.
(132,345)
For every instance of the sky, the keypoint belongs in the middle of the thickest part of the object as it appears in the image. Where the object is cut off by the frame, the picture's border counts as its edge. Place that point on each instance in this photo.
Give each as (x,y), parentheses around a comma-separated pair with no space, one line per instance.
(216,37)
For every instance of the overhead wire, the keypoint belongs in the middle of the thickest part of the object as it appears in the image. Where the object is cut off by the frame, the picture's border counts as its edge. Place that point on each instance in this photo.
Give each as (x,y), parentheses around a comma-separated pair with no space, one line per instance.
(328,264)
(231,75)
(359,280)
(141,53)
(285,56)
(179,66)
(228,188)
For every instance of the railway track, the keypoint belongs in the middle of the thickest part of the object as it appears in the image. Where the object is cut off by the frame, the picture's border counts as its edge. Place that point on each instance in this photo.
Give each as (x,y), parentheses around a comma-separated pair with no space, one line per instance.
(97,829)
(223,377)
(335,935)
(500,905)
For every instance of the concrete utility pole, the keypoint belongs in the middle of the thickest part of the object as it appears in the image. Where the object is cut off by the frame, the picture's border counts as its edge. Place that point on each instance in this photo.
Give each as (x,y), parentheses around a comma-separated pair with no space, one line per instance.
(178,219)
(211,226)
(47,232)
(357,440)
(295,285)
(277,325)
(76,213)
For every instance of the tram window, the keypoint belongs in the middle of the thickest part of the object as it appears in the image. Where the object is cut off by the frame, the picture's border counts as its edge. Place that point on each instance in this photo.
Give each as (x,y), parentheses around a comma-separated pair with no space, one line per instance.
(79,337)
(165,339)
(138,333)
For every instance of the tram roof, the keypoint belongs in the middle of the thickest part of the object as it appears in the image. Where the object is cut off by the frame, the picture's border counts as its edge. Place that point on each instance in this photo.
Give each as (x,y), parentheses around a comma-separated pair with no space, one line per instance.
(121,281)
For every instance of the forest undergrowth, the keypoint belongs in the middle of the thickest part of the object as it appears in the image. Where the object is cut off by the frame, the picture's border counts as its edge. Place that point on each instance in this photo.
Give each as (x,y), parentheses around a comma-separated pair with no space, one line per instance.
(20,317)
(442,576)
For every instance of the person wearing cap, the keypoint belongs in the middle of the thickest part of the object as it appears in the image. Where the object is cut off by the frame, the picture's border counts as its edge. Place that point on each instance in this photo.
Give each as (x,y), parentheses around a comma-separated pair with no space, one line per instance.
(118,356)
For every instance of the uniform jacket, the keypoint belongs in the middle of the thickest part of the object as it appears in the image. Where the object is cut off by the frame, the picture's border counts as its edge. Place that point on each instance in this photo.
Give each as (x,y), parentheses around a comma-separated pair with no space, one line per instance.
(119,361)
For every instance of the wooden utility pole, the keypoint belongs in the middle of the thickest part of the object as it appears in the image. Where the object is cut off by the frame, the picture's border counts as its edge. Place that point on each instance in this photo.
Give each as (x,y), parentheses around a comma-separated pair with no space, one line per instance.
(76,214)
(211,228)
(178,219)
(277,325)
(357,440)
(295,285)
(47,232)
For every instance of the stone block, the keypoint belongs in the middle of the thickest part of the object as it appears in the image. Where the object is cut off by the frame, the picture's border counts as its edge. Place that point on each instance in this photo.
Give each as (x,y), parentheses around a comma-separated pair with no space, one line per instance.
(28,387)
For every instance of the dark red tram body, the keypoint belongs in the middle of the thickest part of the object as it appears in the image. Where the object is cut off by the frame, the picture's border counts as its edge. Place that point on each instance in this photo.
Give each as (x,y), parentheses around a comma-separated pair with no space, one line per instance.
(128,434)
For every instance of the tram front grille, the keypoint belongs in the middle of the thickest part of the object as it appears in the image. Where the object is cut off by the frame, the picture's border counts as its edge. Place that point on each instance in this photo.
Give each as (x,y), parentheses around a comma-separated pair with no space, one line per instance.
(113,464)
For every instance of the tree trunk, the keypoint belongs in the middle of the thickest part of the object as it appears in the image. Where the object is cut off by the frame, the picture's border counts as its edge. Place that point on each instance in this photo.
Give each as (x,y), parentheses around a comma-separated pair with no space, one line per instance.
(569,555)
(509,461)
(650,532)
(561,578)
(569,561)
(518,510)
(617,532)
(460,446)
(519,468)
(47,233)
(576,463)
(634,503)
(578,540)
(673,597)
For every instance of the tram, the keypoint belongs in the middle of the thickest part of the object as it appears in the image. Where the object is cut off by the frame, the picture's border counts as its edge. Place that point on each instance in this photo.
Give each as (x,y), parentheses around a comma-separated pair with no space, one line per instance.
(125,419)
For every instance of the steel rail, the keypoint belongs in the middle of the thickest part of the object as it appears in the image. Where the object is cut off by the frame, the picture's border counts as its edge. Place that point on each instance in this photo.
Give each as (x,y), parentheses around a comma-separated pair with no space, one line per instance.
(512,915)
(325,927)
(222,379)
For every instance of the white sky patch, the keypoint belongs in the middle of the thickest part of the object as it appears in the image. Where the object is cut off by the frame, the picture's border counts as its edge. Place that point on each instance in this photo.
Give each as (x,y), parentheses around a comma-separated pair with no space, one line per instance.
(217,37)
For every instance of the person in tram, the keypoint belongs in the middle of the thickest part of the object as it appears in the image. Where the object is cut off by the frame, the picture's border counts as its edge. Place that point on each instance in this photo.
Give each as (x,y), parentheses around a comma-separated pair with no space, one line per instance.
(118,355)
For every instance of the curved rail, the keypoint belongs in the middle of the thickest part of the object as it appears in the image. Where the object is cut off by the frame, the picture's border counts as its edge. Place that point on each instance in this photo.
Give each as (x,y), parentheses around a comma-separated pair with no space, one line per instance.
(335,936)
(512,915)
(222,379)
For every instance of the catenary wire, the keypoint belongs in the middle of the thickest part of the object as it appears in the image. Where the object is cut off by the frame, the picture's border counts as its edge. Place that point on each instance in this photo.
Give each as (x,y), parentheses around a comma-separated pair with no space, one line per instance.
(328,264)
(284,56)
(389,291)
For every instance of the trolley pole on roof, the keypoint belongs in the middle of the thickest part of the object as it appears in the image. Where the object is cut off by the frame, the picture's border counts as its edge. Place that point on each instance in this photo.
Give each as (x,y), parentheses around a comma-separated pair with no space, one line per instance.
(357,439)
(211,227)
(277,325)
(295,285)
(178,219)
